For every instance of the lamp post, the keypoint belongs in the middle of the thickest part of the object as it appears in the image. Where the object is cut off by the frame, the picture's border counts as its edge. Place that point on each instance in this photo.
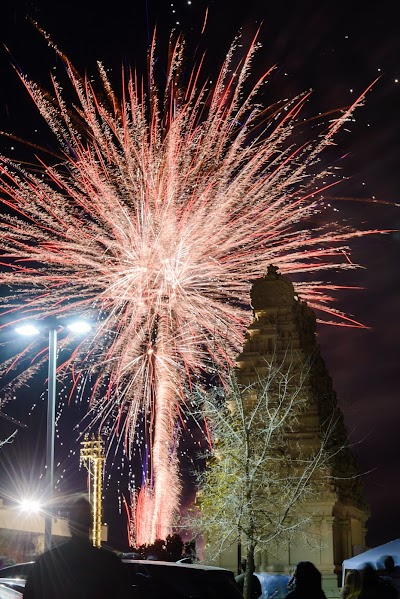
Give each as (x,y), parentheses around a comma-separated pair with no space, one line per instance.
(50,433)
(78,326)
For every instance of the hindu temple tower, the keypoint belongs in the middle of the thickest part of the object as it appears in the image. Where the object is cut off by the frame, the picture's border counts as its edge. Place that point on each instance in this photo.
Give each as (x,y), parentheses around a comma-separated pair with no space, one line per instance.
(283,323)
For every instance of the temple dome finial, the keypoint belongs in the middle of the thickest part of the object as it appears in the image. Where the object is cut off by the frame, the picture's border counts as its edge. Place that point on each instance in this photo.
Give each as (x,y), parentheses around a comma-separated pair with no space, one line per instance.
(273,289)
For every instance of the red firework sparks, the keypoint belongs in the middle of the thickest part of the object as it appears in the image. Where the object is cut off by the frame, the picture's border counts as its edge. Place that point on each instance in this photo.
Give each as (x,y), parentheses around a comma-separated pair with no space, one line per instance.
(164,208)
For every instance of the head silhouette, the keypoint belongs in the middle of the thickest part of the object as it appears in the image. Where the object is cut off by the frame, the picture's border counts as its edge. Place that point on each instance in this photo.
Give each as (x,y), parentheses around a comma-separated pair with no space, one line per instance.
(307,577)
(352,583)
(389,563)
(80,517)
(369,576)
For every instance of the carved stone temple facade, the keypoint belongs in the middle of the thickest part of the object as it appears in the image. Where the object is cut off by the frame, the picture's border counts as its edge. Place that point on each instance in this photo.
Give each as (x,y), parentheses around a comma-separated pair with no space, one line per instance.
(283,323)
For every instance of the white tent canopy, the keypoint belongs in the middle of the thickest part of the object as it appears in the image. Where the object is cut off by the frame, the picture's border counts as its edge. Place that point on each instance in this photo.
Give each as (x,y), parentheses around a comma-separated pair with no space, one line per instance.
(374,557)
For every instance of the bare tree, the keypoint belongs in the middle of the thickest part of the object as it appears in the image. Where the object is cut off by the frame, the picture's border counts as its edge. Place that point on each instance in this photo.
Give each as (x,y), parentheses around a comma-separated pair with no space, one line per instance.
(261,470)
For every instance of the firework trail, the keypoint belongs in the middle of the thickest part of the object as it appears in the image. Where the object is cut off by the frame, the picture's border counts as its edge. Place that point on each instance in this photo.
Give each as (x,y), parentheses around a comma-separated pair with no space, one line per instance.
(163,208)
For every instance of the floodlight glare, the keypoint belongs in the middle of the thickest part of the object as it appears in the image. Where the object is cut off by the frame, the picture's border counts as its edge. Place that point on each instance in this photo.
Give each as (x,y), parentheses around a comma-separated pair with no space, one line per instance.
(79,326)
(27,329)
(30,505)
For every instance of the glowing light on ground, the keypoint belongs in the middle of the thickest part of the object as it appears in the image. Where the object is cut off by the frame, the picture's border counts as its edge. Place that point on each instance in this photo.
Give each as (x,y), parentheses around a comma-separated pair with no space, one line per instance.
(162,208)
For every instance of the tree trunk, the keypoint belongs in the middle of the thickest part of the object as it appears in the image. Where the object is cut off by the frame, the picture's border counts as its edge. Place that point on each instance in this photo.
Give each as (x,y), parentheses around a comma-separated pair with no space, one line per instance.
(248,576)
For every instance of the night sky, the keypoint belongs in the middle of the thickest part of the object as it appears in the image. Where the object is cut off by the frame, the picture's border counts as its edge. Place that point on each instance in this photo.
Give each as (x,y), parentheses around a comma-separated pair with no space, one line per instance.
(337,49)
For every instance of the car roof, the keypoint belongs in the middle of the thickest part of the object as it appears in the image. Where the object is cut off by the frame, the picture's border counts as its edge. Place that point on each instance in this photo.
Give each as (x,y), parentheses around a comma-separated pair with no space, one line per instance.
(13,587)
(151,562)
(18,565)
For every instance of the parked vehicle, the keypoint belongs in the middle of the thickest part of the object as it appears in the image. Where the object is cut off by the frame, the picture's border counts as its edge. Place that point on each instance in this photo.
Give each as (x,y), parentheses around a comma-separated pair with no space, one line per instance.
(149,579)
(170,580)
(11,588)
(12,580)
(16,570)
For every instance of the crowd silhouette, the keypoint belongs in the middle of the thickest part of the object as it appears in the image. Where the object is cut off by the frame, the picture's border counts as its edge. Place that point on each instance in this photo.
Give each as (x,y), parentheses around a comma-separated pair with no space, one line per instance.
(371,583)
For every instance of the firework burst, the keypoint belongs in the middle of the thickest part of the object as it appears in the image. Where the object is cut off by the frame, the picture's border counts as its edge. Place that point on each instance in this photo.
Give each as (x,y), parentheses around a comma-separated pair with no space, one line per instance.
(166,204)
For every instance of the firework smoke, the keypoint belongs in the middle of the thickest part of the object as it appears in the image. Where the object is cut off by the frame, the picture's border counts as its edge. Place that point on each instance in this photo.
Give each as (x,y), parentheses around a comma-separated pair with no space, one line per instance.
(166,204)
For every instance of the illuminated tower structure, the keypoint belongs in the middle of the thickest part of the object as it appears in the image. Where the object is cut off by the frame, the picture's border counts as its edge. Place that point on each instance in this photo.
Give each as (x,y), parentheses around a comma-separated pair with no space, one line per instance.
(283,323)
(92,457)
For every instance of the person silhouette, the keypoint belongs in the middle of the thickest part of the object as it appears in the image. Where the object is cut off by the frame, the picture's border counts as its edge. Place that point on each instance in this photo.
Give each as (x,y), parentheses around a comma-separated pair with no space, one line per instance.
(75,569)
(374,586)
(391,573)
(306,582)
(352,585)
(255,584)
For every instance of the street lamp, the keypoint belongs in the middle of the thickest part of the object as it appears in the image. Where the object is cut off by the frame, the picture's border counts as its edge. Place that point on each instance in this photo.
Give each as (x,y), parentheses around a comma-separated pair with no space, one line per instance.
(31,506)
(30,329)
